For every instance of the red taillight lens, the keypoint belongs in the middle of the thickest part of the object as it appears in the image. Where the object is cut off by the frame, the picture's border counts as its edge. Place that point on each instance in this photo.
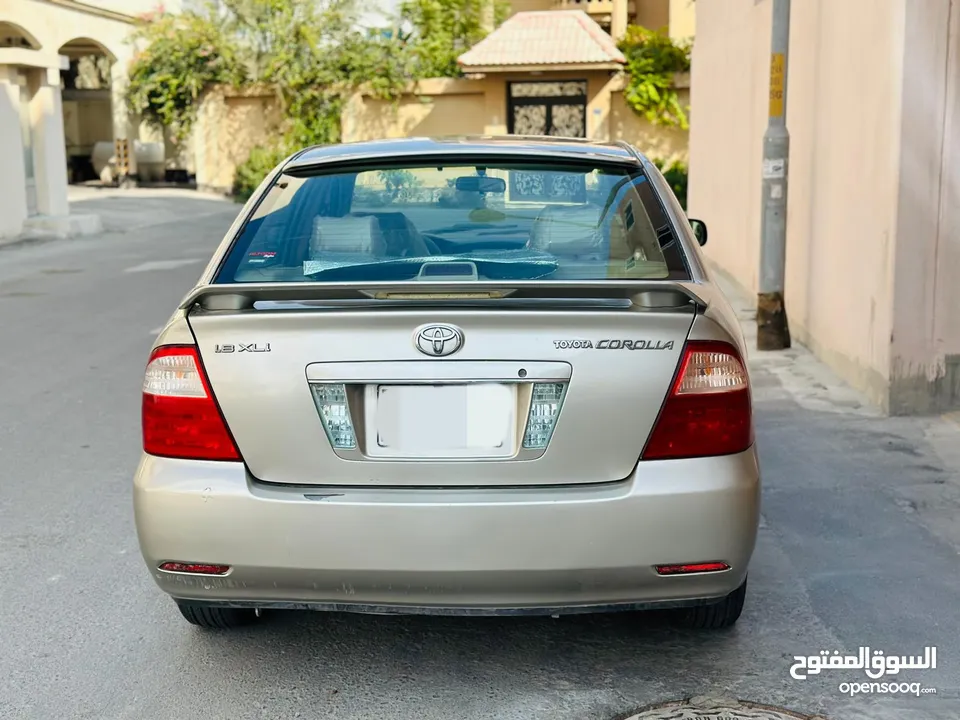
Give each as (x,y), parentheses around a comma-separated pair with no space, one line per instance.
(180,415)
(708,411)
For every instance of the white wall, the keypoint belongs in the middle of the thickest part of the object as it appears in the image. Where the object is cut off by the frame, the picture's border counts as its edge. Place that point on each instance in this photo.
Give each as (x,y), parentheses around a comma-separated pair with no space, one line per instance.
(135,7)
(844,120)
(728,117)
(13,196)
(926,338)
(51,26)
(873,219)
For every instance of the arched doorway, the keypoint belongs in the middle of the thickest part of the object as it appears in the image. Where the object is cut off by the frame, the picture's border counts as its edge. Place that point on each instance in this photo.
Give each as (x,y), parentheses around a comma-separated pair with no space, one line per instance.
(14,36)
(88,120)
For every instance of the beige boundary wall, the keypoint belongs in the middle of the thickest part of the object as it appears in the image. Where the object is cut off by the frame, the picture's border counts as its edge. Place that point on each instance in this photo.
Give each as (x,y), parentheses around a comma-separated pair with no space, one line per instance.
(231,122)
(873,220)
(449,107)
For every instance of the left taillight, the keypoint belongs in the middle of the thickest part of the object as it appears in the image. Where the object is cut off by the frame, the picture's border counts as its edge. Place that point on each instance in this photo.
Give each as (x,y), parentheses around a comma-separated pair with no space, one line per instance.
(181,418)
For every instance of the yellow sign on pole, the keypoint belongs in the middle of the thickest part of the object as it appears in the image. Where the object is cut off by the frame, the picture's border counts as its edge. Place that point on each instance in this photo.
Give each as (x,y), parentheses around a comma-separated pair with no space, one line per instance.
(776,84)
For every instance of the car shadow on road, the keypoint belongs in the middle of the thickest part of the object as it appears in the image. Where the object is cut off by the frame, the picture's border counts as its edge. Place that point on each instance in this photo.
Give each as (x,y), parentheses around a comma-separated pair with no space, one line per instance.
(339,654)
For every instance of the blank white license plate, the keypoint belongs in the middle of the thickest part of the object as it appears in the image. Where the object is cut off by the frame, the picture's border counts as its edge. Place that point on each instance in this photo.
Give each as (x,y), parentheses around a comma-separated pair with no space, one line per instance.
(444,421)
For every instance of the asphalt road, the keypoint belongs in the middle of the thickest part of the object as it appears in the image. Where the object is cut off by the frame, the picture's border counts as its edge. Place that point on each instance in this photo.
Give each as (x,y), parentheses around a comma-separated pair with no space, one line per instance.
(859,544)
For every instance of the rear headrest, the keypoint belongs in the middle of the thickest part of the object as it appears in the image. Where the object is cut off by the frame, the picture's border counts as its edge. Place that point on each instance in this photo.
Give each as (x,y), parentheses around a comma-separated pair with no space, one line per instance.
(346,235)
(400,236)
(566,228)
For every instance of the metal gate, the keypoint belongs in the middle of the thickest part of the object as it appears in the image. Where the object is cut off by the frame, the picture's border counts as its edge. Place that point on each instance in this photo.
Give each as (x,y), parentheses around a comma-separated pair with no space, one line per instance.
(547,107)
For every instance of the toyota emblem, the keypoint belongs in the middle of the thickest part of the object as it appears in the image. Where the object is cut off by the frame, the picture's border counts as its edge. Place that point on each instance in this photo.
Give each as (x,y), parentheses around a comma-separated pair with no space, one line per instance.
(438,340)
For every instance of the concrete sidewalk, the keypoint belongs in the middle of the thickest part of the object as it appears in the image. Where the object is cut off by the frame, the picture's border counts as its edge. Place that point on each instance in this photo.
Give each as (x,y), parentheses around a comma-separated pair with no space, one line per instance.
(95,210)
(139,208)
(932,441)
(814,387)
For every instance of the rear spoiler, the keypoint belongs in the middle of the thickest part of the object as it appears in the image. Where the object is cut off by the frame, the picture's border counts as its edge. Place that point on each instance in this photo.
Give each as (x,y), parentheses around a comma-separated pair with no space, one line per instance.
(241,296)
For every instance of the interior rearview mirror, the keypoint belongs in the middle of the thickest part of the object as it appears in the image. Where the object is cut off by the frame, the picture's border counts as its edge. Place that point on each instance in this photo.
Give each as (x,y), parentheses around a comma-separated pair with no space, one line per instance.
(476,183)
(699,230)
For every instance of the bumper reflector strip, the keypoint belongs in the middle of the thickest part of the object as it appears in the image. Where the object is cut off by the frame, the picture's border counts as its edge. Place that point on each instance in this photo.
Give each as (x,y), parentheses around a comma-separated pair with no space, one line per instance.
(694,568)
(195,568)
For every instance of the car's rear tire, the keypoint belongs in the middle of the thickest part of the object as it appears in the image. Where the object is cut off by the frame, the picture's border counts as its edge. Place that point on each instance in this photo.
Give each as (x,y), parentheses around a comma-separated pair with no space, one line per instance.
(717,616)
(216,618)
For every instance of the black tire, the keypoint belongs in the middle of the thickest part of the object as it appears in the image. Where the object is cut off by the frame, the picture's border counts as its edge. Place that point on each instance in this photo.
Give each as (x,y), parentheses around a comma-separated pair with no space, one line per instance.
(720,615)
(216,618)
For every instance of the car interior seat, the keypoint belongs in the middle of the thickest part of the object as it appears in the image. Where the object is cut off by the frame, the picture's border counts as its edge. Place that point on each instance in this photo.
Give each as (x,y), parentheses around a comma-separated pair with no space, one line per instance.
(348,235)
(401,237)
(568,230)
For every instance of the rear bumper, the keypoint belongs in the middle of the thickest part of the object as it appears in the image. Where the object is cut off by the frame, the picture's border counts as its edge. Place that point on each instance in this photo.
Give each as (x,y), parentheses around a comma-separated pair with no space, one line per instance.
(524,550)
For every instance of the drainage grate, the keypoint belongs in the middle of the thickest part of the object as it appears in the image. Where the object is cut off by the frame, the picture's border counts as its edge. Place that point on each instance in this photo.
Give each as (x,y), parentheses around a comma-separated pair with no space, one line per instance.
(705,708)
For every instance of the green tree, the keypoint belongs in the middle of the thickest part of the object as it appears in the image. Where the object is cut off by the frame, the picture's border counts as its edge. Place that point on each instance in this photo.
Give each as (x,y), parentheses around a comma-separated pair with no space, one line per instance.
(310,51)
(442,30)
(180,56)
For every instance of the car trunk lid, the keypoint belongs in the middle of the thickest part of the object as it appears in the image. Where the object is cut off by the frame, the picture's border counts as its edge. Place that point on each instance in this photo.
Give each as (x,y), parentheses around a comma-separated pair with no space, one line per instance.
(285,373)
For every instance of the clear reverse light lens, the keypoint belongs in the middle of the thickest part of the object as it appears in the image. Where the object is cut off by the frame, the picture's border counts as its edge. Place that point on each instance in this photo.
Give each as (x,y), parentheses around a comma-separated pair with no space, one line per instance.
(707,372)
(544,409)
(174,376)
(331,400)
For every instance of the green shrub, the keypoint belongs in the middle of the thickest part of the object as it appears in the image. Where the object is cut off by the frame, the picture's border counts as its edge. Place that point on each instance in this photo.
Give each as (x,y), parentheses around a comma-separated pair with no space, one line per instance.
(653,58)
(251,172)
(676,174)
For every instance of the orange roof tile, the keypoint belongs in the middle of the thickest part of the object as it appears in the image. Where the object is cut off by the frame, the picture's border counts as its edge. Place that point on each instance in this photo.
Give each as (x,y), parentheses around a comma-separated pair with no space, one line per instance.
(544,38)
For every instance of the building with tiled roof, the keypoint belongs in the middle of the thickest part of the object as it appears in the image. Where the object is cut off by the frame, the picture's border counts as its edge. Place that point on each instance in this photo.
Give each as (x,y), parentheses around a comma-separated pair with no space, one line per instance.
(552,68)
(536,41)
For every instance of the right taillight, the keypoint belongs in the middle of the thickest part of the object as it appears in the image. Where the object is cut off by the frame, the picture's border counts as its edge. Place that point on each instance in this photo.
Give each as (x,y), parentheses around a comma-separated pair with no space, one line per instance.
(708,411)
(181,418)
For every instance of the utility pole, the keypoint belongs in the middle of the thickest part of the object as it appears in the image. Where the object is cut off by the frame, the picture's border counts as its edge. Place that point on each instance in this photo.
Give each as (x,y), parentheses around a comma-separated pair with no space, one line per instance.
(772,330)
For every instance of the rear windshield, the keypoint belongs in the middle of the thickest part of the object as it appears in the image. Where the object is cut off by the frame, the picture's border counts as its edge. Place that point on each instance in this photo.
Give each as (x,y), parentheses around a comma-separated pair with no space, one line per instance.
(458,222)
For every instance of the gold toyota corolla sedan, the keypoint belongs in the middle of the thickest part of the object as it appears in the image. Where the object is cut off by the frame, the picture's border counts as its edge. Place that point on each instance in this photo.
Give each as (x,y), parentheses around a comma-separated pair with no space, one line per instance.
(474,375)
